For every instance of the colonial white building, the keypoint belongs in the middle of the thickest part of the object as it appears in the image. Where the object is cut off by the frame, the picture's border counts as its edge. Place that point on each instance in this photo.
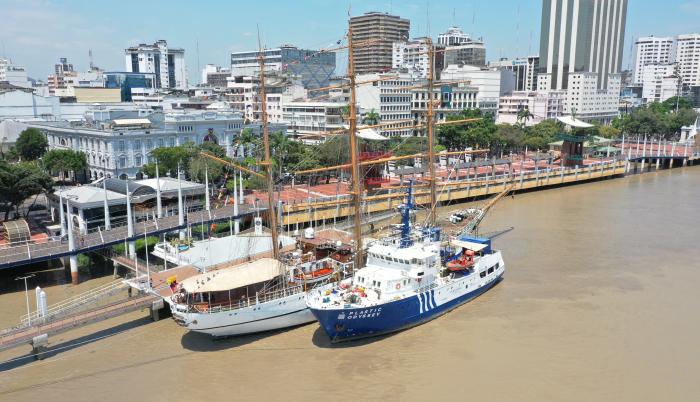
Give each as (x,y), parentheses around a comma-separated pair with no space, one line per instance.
(167,63)
(542,105)
(118,142)
(651,50)
(449,99)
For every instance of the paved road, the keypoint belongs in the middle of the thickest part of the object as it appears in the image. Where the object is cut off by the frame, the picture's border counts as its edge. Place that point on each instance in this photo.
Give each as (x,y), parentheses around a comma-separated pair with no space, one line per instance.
(34,252)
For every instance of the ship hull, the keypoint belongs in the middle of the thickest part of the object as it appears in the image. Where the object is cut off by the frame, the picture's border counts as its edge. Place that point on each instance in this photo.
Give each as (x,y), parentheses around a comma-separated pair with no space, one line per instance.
(355,323)
(286,312)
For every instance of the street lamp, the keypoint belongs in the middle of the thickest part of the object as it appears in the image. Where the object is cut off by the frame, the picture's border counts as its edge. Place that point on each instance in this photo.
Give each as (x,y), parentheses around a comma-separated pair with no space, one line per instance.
(26,293)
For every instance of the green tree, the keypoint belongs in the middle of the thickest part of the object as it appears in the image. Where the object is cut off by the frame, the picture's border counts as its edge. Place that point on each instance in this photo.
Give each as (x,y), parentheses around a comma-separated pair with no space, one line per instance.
(523,116)
(609,131)
(212,148)
(20,181)
(683,103)
(62,160)
(371,118)
(31,144)
(542,133)
(169,158)
(509,136)
(335,151)
(199,165)
(478,133)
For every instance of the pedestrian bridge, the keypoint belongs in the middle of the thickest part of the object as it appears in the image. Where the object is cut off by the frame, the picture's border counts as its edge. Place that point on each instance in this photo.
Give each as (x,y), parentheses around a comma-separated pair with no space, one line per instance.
(31,252)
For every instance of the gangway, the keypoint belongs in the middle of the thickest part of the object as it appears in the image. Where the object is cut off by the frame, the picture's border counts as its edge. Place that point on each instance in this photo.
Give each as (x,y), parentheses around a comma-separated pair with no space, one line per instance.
(37,334)
(77,303)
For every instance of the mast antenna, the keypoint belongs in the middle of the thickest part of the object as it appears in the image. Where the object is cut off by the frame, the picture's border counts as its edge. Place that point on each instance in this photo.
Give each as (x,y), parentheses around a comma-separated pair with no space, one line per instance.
(267,163)
(431,136)
(352,120)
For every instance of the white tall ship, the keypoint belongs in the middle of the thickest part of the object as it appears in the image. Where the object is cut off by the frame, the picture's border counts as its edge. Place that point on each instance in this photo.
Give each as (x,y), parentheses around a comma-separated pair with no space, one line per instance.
(261,295)
(253,297)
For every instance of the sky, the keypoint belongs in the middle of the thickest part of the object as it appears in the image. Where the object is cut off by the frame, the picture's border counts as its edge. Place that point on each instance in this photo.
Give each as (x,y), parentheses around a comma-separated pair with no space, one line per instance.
(35,33)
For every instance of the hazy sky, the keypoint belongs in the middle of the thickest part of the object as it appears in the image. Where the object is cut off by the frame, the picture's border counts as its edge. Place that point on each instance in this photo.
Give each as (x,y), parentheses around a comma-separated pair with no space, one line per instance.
(35,33)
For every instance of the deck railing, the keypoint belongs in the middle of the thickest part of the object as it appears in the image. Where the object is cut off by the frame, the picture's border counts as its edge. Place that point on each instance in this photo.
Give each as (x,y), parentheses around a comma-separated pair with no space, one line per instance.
(208,308)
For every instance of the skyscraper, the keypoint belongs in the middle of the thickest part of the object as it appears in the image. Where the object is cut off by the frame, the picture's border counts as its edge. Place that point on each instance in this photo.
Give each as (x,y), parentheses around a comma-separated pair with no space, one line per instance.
(385,29)
(581,36)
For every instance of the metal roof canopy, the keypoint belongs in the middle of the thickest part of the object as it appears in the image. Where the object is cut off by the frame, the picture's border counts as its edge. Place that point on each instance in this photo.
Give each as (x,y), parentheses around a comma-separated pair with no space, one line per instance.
(469,245)
(574,122)
(17,231)
(136,189)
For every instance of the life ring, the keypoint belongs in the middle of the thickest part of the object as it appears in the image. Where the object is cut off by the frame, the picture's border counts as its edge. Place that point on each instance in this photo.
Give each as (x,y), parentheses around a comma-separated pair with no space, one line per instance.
(398,286)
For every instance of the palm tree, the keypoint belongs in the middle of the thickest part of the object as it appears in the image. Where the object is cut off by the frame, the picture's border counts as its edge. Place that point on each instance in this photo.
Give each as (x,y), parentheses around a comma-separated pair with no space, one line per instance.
(523,116)
(371,118)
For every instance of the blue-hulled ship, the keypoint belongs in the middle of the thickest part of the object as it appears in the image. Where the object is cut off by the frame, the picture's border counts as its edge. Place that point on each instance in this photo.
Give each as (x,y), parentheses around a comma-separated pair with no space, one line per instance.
(408,280)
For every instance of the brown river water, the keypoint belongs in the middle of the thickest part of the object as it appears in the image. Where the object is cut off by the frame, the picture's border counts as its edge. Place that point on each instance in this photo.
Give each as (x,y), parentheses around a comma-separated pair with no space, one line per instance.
(600,302)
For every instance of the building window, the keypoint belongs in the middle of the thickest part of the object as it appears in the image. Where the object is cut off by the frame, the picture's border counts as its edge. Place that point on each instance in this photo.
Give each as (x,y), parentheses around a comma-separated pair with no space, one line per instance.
(122,161)
(138,160)
(137,145)
(122,146)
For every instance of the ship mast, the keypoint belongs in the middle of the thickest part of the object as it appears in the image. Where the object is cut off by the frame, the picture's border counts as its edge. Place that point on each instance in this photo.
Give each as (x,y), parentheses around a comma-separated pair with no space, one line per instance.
(431,137)
(356,184)
(267,163)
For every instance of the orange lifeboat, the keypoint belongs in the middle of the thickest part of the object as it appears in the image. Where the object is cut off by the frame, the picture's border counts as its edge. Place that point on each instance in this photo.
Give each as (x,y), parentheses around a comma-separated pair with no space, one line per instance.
(464,262)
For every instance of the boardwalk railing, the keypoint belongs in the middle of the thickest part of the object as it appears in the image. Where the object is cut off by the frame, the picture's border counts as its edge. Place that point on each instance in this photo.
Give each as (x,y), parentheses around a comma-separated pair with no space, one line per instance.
(49,249)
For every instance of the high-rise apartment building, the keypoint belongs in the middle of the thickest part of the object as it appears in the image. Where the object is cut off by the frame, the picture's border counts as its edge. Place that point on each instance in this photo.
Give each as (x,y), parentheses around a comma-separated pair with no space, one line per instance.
(167,63)
(314,68)
(581,46)
(651,50)
(524,70)
(63,66)
(659,82)
(581,36)
(413,56)
(384,29)
(63,71)
(461,49)
(688,58)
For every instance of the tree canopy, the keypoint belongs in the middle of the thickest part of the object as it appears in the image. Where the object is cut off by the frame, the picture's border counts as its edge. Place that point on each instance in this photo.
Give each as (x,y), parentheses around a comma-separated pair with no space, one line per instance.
(31,144)
(60,160)
(658,118)
(19,181)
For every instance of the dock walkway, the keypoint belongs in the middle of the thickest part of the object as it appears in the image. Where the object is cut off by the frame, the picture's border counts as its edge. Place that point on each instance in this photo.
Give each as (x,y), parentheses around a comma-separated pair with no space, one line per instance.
(11,256)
